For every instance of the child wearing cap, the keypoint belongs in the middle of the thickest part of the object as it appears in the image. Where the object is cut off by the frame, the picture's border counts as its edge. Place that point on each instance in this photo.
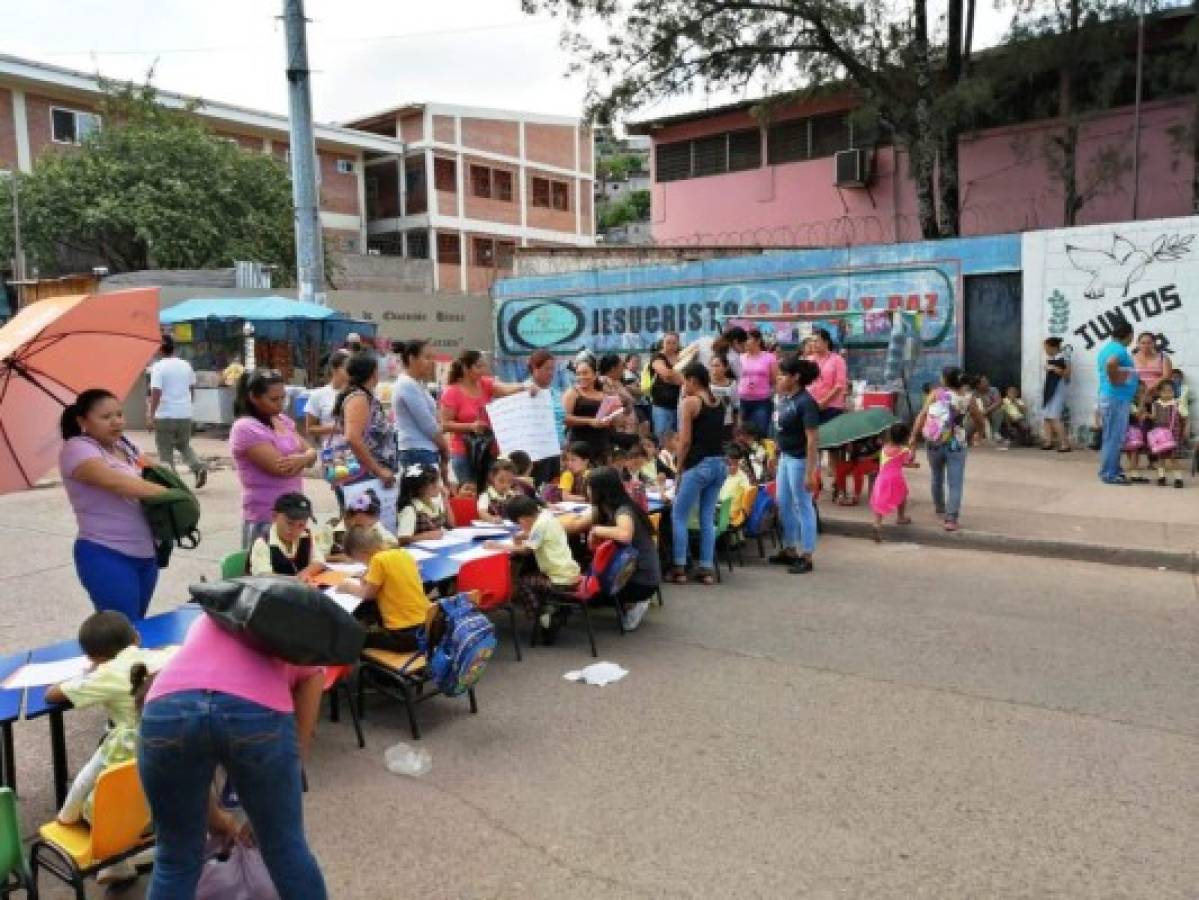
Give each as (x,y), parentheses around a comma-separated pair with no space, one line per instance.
(289,547)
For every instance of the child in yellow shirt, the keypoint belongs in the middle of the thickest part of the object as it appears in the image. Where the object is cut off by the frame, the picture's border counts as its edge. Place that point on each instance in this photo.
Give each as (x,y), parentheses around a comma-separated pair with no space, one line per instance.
(393,582)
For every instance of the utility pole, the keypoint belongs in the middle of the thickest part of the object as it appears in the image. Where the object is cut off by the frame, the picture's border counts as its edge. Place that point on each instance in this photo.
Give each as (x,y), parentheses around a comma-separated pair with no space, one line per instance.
(310,255)
(1136,116)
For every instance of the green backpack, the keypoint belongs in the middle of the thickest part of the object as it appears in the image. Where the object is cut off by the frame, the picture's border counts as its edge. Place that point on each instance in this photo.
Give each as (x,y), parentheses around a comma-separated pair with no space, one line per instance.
(174,515)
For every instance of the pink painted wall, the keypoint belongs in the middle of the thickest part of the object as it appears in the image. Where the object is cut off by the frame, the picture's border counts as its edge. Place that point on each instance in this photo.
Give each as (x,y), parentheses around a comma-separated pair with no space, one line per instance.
(1005,187)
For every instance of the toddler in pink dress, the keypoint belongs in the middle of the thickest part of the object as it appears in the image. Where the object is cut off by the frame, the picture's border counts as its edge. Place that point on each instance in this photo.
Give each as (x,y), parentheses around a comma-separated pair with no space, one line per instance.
(890,492)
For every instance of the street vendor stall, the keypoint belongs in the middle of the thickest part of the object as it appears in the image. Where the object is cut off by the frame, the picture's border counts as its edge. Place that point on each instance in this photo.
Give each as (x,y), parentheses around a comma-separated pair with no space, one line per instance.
(220,336)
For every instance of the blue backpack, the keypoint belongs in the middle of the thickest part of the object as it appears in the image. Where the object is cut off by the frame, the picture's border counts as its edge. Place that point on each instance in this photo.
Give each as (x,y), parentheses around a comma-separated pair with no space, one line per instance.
(763,506)
(458,646)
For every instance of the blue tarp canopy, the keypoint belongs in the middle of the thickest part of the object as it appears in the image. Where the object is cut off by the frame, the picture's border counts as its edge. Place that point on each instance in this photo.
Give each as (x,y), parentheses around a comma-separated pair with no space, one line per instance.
(251,309)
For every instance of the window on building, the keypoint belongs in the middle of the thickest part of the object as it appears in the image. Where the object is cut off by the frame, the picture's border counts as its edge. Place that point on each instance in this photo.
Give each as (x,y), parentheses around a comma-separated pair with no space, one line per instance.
(829,134)
(787,142)
(709,155)
(483,255)
(418,244)
(501,185)
(673,161)
(541,192)
(480,181)
(745,150)
(345,167)
(448,248)
(414,187)
(560,195)
(445,174)
(71,126)
(505,254)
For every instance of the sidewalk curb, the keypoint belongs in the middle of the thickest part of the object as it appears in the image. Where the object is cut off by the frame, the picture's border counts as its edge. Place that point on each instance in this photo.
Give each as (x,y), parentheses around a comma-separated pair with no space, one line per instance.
(1172,560)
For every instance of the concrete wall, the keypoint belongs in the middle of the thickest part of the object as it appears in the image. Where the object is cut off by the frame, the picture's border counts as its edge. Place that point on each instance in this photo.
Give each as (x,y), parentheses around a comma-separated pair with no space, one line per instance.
(1079,282)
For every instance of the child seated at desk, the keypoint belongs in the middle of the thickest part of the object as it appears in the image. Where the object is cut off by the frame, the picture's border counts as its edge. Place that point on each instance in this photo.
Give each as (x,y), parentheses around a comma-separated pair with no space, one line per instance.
(578,465)
(542,534)
(523,464)
(631,463)
(289,548)
(424,512)
(393,583)
(112,645)
(361,512)
(736,482)
(501,489)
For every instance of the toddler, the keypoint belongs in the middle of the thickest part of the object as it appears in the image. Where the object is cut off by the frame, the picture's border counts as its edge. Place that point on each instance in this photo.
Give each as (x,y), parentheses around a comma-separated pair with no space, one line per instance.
(289,548)
(500,490)
(890,492)
(1166,432)
(392,581)
(1015,417)
(424,512)
(1134,441)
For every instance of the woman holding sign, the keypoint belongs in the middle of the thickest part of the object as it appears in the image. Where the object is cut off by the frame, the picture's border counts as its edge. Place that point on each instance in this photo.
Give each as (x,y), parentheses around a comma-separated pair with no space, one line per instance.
(591,413)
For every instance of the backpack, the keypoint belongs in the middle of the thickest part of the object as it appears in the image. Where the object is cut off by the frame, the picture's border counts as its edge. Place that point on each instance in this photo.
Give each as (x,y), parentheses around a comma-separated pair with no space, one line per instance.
(611,568)
(941,420)
(173,516)
(284,618)
(457,645)
(759,513)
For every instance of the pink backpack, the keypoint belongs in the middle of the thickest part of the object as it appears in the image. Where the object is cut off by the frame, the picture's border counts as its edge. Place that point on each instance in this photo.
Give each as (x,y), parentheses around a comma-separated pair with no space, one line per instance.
(1162,440)
(1134,440)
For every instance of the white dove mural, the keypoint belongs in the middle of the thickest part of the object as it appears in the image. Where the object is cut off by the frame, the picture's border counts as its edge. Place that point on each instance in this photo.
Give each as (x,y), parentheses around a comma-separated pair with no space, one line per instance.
(1124,264)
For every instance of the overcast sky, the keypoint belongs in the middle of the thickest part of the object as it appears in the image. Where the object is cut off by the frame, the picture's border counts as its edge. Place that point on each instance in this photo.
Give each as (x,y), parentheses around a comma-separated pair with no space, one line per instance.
(366,55)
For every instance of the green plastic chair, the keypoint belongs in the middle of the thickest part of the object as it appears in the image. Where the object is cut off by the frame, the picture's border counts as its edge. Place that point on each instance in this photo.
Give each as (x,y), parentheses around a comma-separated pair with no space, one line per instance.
(14,869)
(234,565)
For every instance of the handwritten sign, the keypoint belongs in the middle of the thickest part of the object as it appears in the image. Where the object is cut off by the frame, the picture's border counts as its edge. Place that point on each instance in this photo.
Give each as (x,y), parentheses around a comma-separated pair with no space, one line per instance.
(521,422)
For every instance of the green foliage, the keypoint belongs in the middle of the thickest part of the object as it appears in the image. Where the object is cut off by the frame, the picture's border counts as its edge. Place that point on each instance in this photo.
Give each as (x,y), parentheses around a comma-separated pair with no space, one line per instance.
(633,207)
(152,188)
(618,166)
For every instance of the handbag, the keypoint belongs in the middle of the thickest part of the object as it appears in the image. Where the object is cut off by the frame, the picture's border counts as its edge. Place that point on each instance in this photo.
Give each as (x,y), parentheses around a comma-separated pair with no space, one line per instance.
(1161,440)
(1134,440)
(236,874)
(339,465)
(283,618)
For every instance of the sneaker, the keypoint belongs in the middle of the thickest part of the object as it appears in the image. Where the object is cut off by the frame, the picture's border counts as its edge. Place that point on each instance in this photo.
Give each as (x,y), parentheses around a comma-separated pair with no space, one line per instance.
(634,614)
(802,566)
(125,870)
(1178,482)
(201,478)
(951,525)
(784,558)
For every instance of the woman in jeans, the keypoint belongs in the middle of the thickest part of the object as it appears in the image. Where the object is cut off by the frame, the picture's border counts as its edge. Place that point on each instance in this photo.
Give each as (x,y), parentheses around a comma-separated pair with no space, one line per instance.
(702,468)
(755,385)
(948,406)
(366,428)
(417,426)
(219,702)
(799,463)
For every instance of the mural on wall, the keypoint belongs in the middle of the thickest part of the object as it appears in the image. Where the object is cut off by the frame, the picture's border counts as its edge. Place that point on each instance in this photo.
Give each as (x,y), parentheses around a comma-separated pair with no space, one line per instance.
(1092,279)
(628,310)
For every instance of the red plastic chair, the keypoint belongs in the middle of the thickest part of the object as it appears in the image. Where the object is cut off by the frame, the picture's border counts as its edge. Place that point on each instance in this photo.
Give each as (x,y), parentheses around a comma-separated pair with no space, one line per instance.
(338,680)
(491,576)
(464,509)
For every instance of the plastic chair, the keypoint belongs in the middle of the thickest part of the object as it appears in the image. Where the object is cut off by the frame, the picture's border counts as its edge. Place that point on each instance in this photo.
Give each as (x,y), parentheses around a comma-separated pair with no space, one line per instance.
(236,564)
(655,519)
(464,510)
(14,870)
(120,822)
(338,681)
(491,577)
(724,515)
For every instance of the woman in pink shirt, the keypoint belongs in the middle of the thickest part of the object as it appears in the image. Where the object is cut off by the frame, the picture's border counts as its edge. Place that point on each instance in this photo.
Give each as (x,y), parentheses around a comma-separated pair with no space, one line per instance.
(268,454)
(832,387)
(755,384)
(219,702)
(469,389)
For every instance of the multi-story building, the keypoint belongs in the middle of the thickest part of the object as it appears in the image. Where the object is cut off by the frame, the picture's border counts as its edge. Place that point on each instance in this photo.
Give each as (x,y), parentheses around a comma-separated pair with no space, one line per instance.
(46,109)
(472,185)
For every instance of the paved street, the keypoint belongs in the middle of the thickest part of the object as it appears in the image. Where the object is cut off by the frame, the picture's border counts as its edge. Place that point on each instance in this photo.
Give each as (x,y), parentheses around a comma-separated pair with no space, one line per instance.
(902,723)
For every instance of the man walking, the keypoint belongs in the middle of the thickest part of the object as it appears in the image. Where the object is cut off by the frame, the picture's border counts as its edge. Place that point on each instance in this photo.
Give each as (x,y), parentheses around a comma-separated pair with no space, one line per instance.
(1117,388)
(172,391)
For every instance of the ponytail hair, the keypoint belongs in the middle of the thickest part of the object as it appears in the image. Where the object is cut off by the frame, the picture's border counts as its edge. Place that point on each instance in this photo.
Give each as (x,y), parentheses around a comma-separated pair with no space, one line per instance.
(140,682)
(466,359)
(250,386)
(360,368)
(68,424)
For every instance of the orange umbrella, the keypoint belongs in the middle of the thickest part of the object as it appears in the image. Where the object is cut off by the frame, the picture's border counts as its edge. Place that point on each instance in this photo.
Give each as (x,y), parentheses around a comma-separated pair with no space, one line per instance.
(51,352)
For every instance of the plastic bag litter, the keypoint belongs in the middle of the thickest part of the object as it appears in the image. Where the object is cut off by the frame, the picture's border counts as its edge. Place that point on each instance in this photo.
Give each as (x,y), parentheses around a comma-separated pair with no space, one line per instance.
(902,547)
(401,759)
(599,674)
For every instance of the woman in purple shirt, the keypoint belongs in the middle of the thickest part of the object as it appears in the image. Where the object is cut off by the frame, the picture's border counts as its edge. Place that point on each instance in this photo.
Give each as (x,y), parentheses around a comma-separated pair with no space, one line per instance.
(268,453)
(114,552)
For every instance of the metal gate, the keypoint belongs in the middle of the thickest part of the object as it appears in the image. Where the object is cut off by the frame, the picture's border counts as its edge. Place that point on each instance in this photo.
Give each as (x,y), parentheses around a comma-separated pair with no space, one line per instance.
(992,327)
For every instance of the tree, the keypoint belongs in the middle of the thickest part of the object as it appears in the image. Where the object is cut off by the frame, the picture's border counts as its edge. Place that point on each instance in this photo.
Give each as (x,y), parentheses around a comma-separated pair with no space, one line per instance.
(152,188)
(633,207)
(663,48)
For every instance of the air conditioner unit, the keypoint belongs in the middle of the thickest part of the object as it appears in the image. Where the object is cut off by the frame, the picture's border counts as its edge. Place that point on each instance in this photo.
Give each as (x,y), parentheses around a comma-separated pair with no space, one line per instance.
(853,168)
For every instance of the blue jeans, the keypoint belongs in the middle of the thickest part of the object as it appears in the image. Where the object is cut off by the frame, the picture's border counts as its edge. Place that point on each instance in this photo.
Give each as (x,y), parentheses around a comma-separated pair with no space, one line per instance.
(422,456)
(664,419)
(464,472)
(116,581)
(759,413)
(184,736)
(795,504)
(947,464)
(699,484)
(1113,419)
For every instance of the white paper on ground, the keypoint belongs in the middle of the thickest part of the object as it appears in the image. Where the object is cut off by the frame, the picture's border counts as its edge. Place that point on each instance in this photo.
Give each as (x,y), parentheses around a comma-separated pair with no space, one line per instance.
(418,554)
(476,553)
(599,674)
(353,569)
(37,674)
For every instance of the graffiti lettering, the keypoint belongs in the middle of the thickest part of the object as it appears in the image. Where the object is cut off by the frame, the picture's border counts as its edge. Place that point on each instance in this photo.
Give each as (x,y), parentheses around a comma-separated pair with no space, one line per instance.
(1142,307)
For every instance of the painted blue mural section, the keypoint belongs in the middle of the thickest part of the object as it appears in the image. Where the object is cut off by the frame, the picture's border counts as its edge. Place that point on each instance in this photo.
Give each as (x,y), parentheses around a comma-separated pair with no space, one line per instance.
(627,309)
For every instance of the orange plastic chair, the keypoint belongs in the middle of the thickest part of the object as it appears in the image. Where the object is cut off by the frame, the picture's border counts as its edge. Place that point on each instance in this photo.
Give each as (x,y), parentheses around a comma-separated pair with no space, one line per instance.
(464,509)
(339,681)
(119,829)
(491,576)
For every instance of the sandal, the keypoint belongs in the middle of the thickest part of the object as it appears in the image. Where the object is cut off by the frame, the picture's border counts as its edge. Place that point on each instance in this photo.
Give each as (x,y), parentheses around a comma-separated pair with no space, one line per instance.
(677,576)
(846,500)
(705,576)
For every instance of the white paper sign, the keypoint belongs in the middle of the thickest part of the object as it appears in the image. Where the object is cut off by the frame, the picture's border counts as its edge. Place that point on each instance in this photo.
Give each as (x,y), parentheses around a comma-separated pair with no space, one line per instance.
(37,674)
(521,422)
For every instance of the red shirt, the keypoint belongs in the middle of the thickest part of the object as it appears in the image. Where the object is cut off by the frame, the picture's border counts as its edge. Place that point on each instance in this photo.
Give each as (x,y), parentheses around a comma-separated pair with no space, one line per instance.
(833,375)
(467,408)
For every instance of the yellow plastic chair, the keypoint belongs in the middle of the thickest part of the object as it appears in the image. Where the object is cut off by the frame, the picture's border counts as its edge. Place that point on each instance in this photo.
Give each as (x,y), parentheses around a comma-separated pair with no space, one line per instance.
(119,829)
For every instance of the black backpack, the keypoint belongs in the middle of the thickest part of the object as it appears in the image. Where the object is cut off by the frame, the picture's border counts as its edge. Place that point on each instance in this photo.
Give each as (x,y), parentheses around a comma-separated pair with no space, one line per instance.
(283,617)
(174,515)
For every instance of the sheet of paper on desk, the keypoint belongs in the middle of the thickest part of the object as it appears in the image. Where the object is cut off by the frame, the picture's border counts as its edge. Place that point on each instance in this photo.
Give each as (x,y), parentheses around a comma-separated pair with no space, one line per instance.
(522,422)
(353,569)
(38,674)
(570,507)
(450,540)
(493,526)
(476,553)
(348,602)
(420,555)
